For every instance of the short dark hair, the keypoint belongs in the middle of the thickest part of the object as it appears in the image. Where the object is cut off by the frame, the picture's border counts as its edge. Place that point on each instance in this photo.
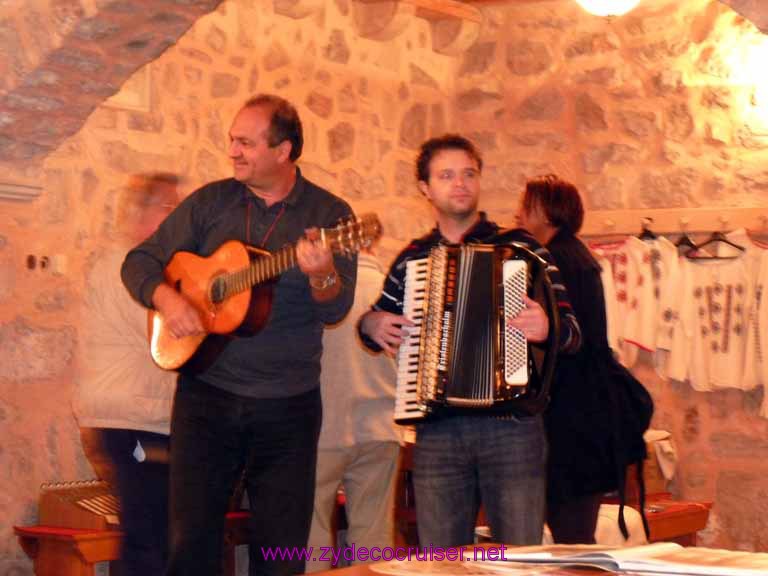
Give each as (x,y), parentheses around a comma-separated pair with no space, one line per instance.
(284,124)
(559,200)
(445,142)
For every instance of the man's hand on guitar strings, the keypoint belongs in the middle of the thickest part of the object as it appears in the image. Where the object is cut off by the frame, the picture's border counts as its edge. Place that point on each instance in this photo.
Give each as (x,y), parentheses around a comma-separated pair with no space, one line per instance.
(532,321)
(181,317)
(386,329)
(313,258)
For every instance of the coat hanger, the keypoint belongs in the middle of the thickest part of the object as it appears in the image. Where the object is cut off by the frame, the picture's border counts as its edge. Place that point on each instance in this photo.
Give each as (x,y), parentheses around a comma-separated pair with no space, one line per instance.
(760,234)
(647,233)
(684,242)
(717,237)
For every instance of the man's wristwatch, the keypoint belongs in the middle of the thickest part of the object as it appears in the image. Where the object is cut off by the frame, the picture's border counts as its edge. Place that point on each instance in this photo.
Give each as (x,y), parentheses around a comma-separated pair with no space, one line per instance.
(325,283)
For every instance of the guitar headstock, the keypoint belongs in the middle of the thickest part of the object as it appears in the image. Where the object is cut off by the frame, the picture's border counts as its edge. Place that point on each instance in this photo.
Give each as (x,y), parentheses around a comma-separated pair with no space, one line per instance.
(350,235)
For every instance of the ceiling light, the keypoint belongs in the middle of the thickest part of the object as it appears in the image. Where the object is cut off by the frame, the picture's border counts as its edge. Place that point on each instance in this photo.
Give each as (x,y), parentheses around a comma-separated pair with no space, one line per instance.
(608,7)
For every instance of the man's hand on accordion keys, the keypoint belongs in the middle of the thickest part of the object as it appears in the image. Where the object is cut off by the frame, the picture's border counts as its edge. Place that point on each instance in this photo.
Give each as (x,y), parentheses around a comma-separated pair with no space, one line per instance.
(532,321)
(386,329)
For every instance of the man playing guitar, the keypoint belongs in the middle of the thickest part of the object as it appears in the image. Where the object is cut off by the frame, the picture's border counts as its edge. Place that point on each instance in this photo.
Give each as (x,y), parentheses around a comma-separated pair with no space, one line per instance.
(255,405)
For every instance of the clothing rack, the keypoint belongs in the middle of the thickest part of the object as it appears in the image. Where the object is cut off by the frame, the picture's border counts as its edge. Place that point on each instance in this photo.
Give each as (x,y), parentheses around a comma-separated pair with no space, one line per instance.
(606,223)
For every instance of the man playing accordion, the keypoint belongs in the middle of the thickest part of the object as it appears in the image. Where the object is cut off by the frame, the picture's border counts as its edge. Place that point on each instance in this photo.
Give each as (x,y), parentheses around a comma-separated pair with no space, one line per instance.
(464,457)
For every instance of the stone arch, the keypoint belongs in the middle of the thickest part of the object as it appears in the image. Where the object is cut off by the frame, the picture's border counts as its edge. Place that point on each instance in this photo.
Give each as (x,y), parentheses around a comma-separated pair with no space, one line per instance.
(58,66)
(753,10)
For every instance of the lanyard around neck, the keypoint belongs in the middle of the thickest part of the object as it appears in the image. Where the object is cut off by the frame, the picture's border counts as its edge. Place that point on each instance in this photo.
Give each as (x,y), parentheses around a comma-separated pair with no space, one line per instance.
(269,230)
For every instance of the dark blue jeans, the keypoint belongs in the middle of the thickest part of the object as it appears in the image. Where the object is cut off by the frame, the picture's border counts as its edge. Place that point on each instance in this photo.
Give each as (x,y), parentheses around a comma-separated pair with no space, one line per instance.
(215,435)
(142,488)
(460,462)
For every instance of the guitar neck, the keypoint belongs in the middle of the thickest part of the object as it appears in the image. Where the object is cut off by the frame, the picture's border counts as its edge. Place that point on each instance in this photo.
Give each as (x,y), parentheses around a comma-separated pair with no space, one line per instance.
(346,238)
(262,269)
(266,267)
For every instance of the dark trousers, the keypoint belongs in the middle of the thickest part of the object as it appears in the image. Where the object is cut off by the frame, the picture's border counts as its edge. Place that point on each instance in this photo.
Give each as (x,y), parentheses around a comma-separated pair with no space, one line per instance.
(575,521)
(142,488)
(216,435)
(463,461)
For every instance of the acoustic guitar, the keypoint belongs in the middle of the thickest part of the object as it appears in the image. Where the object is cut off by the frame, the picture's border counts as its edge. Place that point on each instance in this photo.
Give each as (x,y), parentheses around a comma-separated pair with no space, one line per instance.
(232,291)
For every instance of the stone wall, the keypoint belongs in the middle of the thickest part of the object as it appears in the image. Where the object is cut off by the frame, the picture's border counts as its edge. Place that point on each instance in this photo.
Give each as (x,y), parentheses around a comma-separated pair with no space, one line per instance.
(593,99)
(640,112)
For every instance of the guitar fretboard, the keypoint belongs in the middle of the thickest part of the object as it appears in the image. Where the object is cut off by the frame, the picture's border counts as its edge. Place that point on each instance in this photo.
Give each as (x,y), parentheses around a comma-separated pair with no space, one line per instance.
(264,268)
(346,238)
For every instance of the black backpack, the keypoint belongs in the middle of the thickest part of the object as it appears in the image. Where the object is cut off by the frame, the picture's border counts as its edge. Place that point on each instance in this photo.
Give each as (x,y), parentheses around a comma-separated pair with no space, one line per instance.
(631,413)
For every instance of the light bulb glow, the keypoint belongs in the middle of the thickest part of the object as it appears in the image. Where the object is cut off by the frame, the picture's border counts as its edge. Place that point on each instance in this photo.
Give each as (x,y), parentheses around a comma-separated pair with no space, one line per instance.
(607,7)
(743,56)
(750,70)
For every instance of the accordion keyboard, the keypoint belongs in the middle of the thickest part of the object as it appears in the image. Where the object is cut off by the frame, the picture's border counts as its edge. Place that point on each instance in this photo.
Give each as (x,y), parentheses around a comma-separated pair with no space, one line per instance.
(406,400)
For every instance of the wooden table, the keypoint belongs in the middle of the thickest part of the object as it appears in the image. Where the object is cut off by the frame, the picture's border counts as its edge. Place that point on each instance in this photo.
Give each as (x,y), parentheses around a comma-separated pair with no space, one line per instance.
(675,520)
(58,551)
(365,570)
(67,551)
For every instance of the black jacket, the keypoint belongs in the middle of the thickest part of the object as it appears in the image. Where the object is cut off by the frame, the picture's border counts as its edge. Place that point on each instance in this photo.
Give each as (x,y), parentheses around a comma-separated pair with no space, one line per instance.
(578,420)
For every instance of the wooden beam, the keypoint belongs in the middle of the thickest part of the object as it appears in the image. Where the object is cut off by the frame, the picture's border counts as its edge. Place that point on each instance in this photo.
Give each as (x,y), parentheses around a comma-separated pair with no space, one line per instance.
(438,9)
(460,9)
(674,220)
(506,1)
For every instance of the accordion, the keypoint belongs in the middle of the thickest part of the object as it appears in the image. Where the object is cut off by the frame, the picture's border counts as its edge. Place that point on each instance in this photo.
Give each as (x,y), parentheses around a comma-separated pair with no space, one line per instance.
(85,504)
(460,352)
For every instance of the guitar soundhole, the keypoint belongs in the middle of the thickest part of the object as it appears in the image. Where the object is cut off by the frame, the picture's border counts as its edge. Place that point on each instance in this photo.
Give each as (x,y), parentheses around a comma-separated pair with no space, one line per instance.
(218,290)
